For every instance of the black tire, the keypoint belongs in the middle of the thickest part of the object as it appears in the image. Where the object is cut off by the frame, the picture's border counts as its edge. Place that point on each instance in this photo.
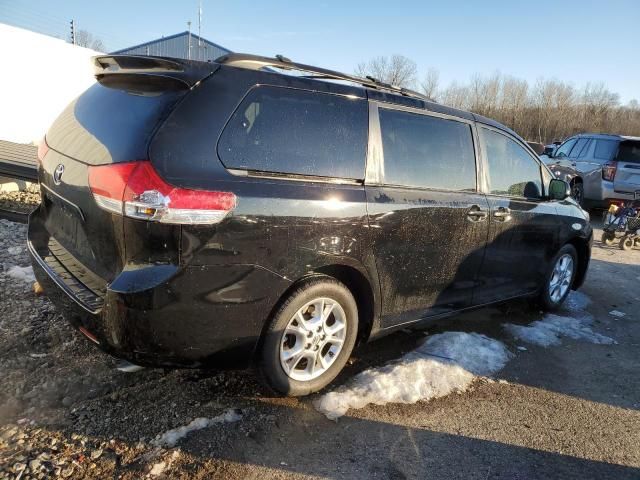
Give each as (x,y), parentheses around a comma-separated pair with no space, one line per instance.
(270,367)
(626,243)
(608,238)
(545,301)
(577,192)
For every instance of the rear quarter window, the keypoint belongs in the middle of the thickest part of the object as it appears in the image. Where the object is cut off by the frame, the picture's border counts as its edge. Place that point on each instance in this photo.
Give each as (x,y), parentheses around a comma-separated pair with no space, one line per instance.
(605,149)
(282,130)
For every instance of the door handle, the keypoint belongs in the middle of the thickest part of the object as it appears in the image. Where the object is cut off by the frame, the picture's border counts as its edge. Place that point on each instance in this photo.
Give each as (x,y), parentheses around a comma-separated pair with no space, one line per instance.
(476,214)
(502,214)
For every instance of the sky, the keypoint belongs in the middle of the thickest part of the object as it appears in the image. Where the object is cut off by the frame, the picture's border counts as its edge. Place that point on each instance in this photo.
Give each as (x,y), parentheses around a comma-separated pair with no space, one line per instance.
(573,41)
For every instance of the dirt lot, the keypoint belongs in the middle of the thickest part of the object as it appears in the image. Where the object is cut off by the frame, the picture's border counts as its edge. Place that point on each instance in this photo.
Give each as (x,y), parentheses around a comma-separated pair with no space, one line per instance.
(565,411)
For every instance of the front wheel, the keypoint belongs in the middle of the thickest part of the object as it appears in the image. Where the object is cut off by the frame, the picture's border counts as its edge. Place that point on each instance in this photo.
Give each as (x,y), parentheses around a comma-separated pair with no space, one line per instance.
(310,338)
(577,192)
(559,279)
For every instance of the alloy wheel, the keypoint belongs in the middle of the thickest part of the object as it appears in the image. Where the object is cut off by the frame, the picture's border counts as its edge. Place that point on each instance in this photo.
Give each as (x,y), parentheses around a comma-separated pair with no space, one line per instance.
(313,339)
(561,278)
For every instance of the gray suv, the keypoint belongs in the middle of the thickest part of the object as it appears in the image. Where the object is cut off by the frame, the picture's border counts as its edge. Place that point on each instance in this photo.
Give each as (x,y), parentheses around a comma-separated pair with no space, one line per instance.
(600,168)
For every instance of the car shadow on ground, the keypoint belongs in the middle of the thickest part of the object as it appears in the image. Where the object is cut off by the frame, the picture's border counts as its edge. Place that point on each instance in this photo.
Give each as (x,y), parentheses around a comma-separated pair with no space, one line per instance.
(302,442)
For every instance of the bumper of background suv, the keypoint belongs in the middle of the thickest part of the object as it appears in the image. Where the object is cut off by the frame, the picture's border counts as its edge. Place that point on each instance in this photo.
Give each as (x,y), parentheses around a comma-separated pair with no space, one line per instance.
(608,193)
(209,316)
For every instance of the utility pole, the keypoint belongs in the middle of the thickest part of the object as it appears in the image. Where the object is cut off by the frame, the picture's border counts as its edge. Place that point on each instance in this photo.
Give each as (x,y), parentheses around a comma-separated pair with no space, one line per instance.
(189,51)
(73,32)
(199,27)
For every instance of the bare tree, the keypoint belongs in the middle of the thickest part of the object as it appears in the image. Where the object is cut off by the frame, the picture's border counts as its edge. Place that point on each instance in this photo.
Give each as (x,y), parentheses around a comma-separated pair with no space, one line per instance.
(431,83)
(86,39)
(396,70)
(546,111)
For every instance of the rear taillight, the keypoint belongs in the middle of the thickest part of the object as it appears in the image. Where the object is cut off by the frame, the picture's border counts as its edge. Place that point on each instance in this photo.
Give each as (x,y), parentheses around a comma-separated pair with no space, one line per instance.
(43,148)
(135,189)
(609,170)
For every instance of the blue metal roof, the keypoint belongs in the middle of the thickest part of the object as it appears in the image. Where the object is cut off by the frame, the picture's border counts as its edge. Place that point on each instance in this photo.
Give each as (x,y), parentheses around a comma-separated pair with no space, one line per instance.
(177,46)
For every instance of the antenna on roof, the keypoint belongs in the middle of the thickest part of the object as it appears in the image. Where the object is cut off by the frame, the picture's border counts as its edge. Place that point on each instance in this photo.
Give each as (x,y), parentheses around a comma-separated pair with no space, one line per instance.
(189,48)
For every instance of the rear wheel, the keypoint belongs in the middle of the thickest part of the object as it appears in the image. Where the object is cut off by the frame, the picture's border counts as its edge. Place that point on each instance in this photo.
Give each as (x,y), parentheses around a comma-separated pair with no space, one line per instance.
(626,243)
(559,278)
(310,338)
(608,238)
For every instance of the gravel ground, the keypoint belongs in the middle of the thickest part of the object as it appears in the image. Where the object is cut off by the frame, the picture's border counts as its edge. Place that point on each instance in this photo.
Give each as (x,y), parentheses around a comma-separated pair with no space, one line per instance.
(570,411)
(22,201)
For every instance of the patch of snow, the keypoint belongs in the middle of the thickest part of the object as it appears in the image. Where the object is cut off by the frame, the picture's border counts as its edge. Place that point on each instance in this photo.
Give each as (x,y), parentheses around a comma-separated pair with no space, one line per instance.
(551,328)
(158,469)
(444,363)
(24,274)
(617,313)
(14,250)
(171,437)
(521,348)
(38,355)
(128,367)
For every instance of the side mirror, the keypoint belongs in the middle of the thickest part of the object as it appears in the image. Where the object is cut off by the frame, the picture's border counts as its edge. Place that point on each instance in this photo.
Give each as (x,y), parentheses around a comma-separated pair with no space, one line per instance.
(559,189)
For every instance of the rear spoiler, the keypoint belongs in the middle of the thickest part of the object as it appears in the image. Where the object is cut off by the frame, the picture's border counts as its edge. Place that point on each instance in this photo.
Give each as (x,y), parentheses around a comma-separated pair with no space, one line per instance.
(187,72)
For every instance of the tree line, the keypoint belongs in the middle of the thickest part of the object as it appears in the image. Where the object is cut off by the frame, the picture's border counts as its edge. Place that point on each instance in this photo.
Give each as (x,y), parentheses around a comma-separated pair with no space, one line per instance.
(545,111)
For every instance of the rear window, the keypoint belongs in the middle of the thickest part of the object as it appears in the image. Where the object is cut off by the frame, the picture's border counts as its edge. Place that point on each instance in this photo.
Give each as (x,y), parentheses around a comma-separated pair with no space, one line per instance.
(605,149)
(424,151)
(114,123)
(289,131)
(629,152)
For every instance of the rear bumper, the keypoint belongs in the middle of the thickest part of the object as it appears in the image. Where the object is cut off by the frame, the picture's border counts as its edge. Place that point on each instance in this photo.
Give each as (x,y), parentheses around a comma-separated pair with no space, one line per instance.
(160,315)
(608,193)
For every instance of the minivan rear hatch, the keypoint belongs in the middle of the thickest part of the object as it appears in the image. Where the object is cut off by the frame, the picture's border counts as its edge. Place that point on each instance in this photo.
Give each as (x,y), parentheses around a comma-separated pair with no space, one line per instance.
(627,179)
(110,123)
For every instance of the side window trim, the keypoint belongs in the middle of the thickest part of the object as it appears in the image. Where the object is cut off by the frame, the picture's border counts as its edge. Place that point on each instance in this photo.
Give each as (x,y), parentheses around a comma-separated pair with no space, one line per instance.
(374,172)
(527,148)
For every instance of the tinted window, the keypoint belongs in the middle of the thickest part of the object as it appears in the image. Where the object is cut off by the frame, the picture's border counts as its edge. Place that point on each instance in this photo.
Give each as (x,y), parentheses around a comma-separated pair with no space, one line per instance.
(430,152)
(293,131)
(512,171)
(629,152)
(578,147)
(565,148)
(605,149)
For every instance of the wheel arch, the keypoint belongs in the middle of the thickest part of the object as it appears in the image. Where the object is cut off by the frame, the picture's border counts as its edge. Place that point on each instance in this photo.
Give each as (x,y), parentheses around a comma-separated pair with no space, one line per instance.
(583,249)
(355,280)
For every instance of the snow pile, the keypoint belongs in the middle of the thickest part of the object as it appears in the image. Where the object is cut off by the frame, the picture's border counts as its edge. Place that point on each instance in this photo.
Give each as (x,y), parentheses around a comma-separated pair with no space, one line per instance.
(552,328)
(14,250)
(24,274)
(445,363)
(171,437)
(617,313)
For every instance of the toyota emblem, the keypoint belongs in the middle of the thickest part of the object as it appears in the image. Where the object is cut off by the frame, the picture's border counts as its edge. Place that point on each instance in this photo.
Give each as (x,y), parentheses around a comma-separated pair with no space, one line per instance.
(57,174)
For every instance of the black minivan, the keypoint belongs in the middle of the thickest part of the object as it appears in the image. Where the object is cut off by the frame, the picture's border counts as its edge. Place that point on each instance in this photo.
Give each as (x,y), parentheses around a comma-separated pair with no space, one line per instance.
(257,211)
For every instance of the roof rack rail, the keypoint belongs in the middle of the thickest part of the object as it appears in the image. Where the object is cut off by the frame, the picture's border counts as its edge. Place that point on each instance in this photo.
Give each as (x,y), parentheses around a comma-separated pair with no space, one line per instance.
(257,62)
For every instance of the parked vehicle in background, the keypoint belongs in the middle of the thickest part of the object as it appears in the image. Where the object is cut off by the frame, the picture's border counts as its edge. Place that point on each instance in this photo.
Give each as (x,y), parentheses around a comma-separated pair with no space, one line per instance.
(225,214)
(601,168)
